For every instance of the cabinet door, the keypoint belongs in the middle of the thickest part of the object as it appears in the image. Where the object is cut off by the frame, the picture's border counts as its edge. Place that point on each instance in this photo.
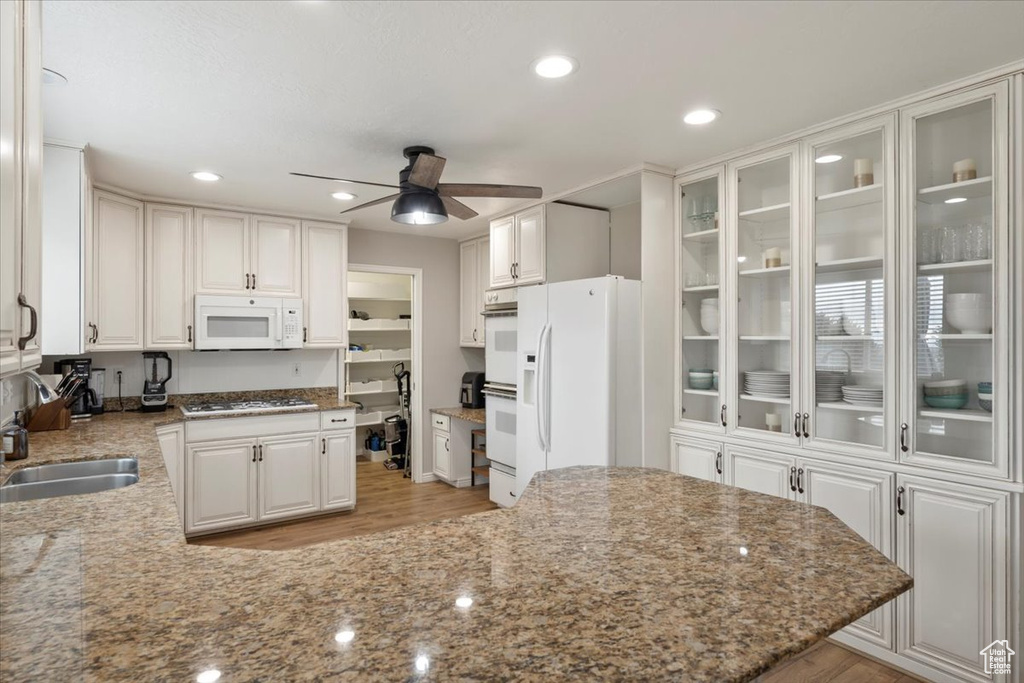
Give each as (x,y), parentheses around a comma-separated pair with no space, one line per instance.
(483,280)
(953,540)
(10,185)
(276,256)
(338,470)
(31,184)
(169,308)
(530,246)
(468,293)
(442,456)
(503,252)
(957,290)
(700,459)
(862,499)
(222,484)
(289,479)
(114,275)
(762,472)
(324,282)
(222,252)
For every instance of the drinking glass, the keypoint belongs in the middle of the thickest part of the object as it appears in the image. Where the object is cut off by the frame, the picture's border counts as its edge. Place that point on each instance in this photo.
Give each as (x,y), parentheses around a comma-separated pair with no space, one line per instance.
(710,203)
(949,251)
(926,245)
(694,208)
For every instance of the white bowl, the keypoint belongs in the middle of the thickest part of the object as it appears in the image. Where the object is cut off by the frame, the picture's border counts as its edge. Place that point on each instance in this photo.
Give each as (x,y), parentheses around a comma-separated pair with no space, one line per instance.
(970,320)
(709,302)
(709,323)
(970,298)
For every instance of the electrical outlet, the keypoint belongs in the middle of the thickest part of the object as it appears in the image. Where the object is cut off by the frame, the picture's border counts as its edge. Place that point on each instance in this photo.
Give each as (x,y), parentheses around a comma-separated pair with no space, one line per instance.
(296,369)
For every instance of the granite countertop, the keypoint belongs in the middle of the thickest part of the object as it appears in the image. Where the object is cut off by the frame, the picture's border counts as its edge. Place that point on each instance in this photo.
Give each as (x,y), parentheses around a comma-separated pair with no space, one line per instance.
(474,415)
(596,574)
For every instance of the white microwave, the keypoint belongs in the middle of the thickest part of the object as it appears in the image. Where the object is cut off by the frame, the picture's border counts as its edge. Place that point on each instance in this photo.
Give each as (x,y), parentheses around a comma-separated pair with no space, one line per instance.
(247,322)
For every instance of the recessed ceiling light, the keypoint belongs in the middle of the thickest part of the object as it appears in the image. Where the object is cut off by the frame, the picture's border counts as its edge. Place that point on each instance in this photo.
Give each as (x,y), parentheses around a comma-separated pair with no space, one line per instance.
(343,196)
(51,77)
(828,159)
(344,636)
(555,66)
(206,176)
(699,117)
(208,676)
(956,200)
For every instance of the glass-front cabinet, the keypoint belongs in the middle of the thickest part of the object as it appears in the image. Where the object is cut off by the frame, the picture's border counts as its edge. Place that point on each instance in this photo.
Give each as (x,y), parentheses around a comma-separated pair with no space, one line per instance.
(849,265)
(956,321)
(700,323)
(763,252)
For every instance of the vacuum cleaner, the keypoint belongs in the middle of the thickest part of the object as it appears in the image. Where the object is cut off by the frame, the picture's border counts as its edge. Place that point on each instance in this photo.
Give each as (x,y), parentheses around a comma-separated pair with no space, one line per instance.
(396,427)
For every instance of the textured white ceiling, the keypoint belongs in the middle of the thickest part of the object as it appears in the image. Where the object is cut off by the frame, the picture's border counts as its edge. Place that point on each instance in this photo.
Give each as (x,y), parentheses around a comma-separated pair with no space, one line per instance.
(253,90)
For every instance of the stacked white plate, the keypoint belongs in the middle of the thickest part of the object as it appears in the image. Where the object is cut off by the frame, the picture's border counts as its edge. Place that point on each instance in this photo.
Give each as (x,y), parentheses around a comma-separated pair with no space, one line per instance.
(828,385)
(863,395)
(774,383)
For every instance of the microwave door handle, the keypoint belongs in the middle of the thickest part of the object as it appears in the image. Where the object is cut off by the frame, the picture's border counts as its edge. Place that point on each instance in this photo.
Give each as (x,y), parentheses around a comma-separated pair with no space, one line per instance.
(277,322)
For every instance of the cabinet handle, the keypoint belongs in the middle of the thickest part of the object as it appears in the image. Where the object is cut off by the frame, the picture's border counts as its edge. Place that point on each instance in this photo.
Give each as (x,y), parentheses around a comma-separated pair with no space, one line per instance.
(446,444)
(792,479)
(474,334)
(189,334)
(33,324)
(323,446)
(305,335)
(899,501)
(344,419)
(721,416)
(261,452)
(95,333)
(254,280)
(718,462)
(807,428)
(800,480)
(247,281)
(254,453)
(796,425)
(903,437)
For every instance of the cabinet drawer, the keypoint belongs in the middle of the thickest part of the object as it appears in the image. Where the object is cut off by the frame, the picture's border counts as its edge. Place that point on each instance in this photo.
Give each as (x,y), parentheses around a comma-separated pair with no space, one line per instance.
(253,426)
(502,488)
(337,419)
(440,423)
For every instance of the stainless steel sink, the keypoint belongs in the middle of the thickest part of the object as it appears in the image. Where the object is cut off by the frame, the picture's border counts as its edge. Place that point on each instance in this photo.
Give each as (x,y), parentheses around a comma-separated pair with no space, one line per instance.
(69,479)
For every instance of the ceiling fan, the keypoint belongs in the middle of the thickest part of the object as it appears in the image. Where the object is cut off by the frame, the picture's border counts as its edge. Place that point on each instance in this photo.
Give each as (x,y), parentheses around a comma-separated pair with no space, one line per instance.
(422,200)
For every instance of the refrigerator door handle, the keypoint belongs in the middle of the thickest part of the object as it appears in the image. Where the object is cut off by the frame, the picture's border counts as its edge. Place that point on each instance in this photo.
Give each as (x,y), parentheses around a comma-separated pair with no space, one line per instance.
(540,384)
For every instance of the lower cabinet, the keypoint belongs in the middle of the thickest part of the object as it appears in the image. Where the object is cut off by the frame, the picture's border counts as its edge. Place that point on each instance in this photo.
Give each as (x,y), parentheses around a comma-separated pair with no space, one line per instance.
(338,470)
(452,444)
(442,454)
(699,459)
(289,475)
(222,484)
(953,539)
(761,471)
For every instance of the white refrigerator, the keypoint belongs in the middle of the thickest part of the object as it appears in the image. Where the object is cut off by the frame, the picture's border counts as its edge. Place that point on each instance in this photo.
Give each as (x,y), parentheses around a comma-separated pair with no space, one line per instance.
(579,376)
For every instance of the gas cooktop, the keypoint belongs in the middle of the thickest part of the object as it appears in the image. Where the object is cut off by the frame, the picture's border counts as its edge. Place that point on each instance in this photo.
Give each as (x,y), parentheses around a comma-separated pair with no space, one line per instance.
(235,407)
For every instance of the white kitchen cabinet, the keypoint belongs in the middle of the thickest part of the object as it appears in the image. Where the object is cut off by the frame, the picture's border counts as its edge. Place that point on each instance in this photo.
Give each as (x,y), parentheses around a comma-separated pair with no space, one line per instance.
(324,285)
(276,256)
(442,454)
(954,540)
(474,279)
(172,447)
(503,252)
(114,274)
(222,252)
(761,471)
(169,279)
(20,186)
(696,458)
(221,480)
(338,470)
(518,249)
(289,475)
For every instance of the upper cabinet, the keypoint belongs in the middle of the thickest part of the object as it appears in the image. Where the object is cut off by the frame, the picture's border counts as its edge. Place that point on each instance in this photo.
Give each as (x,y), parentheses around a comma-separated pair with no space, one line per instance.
(518,249)
(474,278)
(114,274)
(956,324)
(276,256)
(237,253)
(324,283)
(169,281)
(20,186)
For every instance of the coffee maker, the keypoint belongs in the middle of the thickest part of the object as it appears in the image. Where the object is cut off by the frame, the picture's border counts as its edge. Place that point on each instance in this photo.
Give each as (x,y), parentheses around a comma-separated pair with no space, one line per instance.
(472,394)
(83,401)
(154,390)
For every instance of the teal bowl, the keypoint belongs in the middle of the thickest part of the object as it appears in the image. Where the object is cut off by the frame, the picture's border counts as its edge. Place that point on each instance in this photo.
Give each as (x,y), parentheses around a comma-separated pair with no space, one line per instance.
(952,401)
(701,383)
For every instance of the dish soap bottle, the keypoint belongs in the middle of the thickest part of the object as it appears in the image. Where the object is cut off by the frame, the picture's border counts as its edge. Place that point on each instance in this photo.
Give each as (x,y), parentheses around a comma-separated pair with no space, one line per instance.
(15,439)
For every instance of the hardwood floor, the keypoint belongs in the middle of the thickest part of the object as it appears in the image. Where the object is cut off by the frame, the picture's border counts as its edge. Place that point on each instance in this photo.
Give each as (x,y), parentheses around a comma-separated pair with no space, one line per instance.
(386,500)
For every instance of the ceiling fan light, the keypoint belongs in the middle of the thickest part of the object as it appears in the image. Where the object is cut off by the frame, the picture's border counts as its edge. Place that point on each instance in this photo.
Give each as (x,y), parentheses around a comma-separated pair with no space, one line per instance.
(419,208)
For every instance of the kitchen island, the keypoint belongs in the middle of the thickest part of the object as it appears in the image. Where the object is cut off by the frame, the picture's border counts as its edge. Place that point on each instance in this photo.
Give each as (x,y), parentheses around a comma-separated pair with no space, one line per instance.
(597,573)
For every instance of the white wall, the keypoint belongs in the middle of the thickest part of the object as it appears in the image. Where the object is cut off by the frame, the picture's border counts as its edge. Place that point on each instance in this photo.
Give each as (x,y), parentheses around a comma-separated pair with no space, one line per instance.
(443,360)
(625,240)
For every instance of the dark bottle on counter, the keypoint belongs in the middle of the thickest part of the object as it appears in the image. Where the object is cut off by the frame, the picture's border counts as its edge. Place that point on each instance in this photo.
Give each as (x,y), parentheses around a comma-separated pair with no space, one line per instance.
(15,439)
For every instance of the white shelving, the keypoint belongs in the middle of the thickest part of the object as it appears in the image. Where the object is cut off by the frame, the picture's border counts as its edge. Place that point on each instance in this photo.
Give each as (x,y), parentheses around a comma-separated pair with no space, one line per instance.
(700,392)
(846,337)
(700,337)
(378,298)
(371,392)
(956,267)
(841,265)
(702,236)
(957,414)
(378,325)
(958,337)
(405,359)
(764,338)
(766,214)
(968,189)
(765,399)
(701,288)
(842,405)
(846,199)
(766,272)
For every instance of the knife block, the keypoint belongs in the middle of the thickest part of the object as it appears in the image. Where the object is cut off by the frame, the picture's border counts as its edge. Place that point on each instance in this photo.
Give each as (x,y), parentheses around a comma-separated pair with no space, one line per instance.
(49,416)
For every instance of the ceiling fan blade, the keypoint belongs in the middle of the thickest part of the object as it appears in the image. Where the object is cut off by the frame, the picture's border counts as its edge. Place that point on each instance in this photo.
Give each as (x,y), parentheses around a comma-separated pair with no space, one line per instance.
(382,200)
(426,171)
(458,209)
(482,190)
(342,180)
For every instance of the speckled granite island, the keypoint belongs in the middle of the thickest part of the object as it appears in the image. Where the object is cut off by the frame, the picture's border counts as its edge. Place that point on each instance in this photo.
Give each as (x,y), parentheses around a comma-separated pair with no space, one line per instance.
(597,574)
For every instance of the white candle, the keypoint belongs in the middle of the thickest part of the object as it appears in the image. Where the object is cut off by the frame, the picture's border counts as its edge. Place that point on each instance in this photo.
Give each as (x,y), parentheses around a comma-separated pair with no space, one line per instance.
(964,165)
(863,167)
